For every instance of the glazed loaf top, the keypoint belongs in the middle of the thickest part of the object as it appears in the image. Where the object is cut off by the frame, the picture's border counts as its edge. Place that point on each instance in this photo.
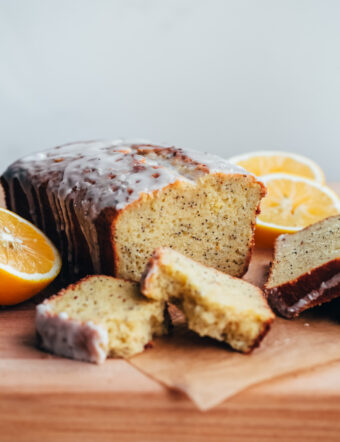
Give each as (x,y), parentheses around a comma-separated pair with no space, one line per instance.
(113,173)
(88,177)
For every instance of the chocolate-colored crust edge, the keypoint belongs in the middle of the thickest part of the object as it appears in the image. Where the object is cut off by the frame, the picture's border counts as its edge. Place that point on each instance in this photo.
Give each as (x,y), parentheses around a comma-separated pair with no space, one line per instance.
(266,327)
(284,298)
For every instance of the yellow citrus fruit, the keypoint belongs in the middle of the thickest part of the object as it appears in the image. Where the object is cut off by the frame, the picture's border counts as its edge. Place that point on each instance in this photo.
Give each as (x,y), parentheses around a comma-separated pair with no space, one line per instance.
(291,204)
(265,162)
(28,259)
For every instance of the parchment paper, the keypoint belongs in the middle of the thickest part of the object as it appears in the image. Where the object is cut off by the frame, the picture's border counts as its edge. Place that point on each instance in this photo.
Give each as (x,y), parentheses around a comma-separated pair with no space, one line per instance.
(210,372)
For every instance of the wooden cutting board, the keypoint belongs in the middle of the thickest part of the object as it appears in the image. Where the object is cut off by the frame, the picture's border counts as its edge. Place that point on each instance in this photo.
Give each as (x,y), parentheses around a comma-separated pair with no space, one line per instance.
(43,397)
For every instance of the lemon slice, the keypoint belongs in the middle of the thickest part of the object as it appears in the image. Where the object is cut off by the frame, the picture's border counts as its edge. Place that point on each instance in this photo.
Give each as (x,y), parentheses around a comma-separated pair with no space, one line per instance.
(28,259)
(265,162)
(291,204)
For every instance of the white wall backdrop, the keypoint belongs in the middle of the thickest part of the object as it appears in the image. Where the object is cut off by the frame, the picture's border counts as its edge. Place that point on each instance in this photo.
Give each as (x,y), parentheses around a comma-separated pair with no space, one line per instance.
(222,76)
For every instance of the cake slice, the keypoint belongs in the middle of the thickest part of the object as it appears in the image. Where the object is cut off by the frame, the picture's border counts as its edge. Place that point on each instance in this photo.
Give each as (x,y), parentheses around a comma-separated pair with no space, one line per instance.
(215,304)
(305,271)
(97,317)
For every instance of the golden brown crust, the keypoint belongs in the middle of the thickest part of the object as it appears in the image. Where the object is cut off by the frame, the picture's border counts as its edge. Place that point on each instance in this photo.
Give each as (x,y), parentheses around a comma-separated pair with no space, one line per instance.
(113,218)
(152,263)
(253,228)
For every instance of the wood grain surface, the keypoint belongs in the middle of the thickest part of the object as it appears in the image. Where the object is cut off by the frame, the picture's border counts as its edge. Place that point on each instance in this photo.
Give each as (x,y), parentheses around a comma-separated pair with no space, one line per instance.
(46,398)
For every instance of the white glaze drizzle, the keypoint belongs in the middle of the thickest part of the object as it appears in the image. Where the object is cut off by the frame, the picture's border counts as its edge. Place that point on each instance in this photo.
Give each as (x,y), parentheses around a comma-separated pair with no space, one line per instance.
(115,174)
(303,303)
(306,301)
(84,341)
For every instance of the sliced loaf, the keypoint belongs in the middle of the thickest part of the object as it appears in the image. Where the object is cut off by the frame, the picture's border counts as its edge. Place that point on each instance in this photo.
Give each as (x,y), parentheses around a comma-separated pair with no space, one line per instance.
(97,317)
(305,271)
(215,304)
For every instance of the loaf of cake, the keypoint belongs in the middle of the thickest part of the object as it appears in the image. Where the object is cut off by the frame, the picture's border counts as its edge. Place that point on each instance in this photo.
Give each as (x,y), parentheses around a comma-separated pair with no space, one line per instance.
(305,271)
(215,304)
(108,205)
(97,317)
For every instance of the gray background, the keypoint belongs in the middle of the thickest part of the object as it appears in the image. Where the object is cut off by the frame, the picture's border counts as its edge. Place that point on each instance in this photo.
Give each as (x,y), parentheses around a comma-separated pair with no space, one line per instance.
(221,76)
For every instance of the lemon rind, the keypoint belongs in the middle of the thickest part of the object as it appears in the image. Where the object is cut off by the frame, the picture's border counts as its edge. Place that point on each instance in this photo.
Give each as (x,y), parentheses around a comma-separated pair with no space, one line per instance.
(291,229)
(316,169)
(38,277)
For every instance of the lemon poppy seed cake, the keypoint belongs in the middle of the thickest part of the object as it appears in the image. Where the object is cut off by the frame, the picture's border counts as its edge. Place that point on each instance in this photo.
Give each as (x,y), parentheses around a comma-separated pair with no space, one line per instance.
(215,304)
(305,271)
(97,317)
(108,205)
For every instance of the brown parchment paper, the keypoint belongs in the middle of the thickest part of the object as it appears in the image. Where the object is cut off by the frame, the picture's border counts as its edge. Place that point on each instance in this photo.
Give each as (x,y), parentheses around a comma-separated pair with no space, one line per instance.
(209,372)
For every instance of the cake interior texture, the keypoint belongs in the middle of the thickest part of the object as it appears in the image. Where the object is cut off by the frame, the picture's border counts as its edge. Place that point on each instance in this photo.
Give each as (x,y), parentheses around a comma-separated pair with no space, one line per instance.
(299,253)
(118,307)
(215,304)
(210,220)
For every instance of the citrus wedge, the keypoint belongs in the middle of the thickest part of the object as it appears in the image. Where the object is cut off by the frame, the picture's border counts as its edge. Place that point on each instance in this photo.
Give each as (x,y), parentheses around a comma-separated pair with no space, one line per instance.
(28,259)
(291,204)
(265,162)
